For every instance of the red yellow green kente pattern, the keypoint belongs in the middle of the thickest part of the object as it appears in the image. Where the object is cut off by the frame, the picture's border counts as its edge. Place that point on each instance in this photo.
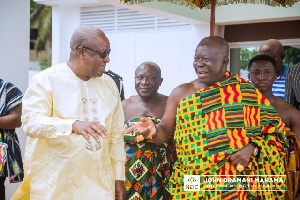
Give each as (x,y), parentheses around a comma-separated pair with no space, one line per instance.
(215,122)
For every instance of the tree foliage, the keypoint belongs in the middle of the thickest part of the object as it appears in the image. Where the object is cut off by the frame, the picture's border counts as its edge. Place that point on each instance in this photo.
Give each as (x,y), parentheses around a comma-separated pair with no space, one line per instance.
(246,54)
(292,56)
(41,15)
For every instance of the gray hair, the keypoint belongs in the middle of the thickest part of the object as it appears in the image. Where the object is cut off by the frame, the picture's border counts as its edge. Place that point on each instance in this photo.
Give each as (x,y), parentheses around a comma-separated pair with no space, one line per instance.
(83,35)
(216,41)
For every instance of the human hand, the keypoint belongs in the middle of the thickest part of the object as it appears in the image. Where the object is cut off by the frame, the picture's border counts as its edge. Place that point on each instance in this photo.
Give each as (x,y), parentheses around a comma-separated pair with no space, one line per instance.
(119,190)
(87,129)
(242,156)
(144,127)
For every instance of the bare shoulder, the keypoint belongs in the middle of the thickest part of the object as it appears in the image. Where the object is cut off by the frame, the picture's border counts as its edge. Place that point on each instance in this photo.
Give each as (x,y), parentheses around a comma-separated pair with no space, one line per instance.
(286,111)
(127,102)
(163,98)
(182,91)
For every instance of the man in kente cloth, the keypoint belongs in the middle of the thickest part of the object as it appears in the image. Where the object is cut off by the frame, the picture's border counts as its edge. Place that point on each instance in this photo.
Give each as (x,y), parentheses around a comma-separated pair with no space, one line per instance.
(223,126)
(262,75)
(148,166)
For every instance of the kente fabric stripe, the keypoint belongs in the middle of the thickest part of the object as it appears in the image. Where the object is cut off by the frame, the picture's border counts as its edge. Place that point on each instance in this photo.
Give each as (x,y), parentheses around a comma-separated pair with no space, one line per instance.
(148,167)
(11,96)
(215,122)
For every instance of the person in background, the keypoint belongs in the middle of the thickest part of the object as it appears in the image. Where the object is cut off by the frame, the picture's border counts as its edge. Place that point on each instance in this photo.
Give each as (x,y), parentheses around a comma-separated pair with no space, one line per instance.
(292,86)
(10,118)
(119,82)
(148,167)
(262,75)
(222,127)
(73,117)
(274,49)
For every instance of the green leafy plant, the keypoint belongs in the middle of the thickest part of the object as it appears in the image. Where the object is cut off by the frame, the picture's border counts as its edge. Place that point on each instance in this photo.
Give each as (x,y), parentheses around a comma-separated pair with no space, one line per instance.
(292,56)
(42,16)
(44,62)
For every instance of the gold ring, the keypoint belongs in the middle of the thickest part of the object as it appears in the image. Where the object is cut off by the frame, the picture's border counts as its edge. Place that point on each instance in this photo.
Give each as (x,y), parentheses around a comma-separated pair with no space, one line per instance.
(239,167)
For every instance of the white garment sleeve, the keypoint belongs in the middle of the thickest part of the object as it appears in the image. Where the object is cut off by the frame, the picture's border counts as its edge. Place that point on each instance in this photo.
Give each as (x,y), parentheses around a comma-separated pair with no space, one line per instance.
(117,150)
(37,111)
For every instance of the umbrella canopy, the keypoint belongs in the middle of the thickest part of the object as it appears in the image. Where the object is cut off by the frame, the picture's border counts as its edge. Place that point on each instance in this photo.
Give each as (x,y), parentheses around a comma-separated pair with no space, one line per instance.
(199,4)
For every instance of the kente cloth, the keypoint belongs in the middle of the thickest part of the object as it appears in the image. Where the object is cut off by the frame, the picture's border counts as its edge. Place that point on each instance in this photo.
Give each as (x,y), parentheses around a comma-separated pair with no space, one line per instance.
(62,164)
(11,96)
(148,167)
(3,153)
(215,122)
(292,165)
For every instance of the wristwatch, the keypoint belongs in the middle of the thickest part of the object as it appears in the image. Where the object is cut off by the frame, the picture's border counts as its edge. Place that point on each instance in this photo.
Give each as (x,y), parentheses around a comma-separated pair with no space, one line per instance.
(255,148)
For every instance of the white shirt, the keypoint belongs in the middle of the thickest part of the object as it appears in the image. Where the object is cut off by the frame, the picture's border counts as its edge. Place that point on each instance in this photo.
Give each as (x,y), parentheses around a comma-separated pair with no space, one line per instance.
(62,164)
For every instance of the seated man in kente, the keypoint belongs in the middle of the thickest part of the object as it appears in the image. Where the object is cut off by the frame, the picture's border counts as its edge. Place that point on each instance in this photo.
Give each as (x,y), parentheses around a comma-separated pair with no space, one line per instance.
(148,167)
(224,127)
(262,75)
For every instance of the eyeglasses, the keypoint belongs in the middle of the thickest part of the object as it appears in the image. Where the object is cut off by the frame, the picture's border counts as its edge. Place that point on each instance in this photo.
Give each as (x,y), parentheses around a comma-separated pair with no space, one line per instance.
(102,54)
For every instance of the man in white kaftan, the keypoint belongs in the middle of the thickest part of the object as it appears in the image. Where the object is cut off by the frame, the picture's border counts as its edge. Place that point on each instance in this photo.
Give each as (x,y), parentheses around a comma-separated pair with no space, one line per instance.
(73,118)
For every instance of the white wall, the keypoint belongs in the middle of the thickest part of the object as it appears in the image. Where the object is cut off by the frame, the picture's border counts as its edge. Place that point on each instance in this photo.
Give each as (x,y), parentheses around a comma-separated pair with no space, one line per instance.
(173,51)
(64,21)
(14,53)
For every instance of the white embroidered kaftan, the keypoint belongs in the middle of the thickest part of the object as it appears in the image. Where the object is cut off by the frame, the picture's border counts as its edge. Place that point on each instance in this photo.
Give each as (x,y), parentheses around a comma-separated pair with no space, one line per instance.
(62,165)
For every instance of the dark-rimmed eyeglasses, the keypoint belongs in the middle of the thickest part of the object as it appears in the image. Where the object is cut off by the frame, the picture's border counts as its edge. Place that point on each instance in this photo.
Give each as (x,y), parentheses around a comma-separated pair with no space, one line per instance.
(102,54)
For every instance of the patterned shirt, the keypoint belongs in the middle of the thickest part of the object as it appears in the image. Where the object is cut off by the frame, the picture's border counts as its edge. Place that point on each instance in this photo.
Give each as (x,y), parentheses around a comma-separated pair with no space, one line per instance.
(292,89)
(10,97)
(279,84)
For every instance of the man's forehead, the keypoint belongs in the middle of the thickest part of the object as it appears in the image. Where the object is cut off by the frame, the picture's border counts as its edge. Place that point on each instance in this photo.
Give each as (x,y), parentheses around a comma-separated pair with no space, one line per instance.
(260,64)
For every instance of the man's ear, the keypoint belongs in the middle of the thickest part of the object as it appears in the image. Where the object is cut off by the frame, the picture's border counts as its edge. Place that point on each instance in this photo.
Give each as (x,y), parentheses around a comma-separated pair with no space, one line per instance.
(80,53)
(275,77)
(160,81)
(225,62)
(282,56)
(249,77)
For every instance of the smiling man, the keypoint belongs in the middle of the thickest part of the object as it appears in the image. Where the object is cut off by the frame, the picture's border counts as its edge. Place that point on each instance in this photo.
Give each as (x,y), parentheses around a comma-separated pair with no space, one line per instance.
(222,127)
(148,166)
(73,117)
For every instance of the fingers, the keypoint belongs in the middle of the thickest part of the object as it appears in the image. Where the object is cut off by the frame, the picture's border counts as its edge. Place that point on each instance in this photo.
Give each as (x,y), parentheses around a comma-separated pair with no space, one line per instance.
(130,129)
(146,132)
(86,136)
(99,130)
(87,129)
(239,158)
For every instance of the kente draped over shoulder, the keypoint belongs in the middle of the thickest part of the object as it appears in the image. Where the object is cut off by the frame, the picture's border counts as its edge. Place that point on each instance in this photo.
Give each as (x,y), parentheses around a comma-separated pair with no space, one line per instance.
(148,166)
(215,122)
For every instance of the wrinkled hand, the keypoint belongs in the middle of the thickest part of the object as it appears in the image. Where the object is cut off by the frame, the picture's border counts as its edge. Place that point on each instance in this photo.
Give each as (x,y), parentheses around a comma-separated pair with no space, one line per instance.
(87,129)
(144,127)
(120,190)
(242,156)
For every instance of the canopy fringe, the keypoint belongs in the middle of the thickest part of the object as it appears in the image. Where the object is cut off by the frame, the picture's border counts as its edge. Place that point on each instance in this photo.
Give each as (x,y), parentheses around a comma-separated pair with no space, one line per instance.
(190,3)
